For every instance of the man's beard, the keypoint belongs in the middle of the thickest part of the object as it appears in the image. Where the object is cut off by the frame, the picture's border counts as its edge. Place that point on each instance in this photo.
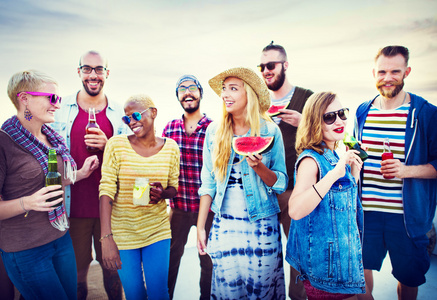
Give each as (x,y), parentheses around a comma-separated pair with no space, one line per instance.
(190,110)
(277,84)
(399,85)
(92,92)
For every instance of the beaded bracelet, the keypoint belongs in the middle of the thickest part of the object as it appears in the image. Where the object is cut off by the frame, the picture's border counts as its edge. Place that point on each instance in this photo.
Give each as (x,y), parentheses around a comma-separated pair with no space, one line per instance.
(104,237)
(22,206)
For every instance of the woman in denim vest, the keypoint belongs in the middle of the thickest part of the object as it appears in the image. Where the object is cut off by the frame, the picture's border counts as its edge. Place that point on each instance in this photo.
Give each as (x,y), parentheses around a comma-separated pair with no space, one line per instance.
(324,242)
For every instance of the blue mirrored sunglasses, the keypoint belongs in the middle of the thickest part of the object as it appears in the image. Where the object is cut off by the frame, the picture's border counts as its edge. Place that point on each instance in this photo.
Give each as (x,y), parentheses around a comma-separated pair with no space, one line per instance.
(136,116)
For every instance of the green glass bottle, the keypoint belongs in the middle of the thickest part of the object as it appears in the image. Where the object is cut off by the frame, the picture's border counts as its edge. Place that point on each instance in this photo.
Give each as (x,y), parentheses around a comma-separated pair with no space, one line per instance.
(352,143)
(53,177)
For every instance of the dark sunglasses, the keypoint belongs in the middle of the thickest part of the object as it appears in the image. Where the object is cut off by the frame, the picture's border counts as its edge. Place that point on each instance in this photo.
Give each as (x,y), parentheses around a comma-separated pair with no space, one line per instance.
(270,65)
(136,116)
(329,118)
(192,88)
(54,99)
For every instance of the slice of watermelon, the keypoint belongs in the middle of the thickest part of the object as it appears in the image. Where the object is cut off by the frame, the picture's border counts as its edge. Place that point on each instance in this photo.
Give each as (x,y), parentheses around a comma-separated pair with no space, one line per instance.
(252,144)
(274,109)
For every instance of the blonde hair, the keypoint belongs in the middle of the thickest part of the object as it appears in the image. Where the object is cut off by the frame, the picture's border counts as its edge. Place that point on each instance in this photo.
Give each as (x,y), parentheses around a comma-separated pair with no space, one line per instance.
(141,99)
(27,81)
(224,134)
(309,134)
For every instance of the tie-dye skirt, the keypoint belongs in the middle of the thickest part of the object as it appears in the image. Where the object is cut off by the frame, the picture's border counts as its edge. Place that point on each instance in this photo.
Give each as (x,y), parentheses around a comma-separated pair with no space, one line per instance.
(247,257)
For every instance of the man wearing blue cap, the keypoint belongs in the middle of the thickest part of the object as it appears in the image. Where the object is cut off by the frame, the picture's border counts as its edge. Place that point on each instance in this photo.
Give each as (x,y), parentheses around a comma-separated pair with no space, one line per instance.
(189,133)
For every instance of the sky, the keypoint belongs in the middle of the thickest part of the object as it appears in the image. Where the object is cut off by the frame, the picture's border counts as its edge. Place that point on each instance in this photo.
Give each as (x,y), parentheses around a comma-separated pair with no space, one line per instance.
(150,44)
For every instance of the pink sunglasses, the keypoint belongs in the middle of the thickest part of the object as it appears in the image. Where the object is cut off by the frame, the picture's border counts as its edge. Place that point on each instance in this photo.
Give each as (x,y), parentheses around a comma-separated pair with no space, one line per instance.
(54,99)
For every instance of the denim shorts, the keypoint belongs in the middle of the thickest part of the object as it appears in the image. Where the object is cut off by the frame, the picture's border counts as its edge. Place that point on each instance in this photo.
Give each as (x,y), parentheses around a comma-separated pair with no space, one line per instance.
(409,257)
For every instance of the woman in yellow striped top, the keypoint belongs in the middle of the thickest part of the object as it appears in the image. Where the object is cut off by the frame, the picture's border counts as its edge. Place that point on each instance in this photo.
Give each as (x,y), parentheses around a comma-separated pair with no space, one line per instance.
(137,237)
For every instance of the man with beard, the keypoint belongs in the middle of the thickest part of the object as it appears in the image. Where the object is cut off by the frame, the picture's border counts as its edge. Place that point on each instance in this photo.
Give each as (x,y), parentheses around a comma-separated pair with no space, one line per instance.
(398,194)
(273,65)
(189,133)
(82,198)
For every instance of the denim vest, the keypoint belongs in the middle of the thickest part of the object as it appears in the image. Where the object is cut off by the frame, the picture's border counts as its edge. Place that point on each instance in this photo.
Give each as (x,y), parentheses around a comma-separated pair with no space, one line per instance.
(261,199)
(325,246)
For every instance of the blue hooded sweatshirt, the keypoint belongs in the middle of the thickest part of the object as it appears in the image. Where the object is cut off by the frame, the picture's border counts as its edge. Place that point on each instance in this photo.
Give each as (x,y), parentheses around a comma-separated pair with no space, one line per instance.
(418,195)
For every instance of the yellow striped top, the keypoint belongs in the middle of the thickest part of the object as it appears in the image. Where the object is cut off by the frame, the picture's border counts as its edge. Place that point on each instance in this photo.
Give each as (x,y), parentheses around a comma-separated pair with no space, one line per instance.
(135,226)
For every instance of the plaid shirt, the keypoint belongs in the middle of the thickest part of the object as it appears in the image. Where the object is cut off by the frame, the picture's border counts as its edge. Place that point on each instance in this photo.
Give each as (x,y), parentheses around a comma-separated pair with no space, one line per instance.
(187,198)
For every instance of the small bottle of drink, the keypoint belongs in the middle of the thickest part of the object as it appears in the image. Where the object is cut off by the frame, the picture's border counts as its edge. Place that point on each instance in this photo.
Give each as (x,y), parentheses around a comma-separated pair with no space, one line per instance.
(352,143)
(92,123)
(53,177)
(387,154)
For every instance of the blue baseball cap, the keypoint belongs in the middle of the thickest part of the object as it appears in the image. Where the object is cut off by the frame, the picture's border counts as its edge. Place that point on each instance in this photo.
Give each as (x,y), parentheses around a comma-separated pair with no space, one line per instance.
(189,78)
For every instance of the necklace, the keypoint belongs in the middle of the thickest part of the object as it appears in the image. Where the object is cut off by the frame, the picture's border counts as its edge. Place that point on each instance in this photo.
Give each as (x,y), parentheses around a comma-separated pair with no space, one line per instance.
(403,101)
(190,124)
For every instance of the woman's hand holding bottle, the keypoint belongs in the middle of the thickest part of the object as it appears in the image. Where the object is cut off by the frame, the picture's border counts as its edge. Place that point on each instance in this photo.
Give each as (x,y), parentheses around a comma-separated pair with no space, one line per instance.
(352,158)
(38,200)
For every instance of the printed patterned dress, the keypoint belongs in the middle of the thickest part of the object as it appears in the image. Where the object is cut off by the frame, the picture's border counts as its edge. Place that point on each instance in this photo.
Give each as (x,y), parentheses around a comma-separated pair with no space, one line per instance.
(247,257)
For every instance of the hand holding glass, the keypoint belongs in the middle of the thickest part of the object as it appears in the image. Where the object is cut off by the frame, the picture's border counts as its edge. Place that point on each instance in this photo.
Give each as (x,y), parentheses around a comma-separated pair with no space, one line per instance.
(141,192)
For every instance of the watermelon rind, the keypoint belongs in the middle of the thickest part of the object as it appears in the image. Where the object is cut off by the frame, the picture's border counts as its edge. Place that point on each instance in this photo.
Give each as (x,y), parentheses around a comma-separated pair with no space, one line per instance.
(274,110)
(252,144)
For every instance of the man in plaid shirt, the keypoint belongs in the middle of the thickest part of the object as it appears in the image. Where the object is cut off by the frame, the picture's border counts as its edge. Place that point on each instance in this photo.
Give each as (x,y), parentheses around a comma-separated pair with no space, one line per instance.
(189,133)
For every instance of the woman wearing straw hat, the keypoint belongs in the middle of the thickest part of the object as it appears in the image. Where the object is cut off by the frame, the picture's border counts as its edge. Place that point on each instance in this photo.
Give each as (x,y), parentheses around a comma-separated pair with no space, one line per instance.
(245,241)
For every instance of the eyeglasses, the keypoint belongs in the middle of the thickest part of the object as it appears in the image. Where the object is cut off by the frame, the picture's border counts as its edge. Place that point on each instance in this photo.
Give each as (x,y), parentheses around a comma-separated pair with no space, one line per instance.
(54,99)
(270,65)
(192,88)
(330,117)
(87,70)
(136,116)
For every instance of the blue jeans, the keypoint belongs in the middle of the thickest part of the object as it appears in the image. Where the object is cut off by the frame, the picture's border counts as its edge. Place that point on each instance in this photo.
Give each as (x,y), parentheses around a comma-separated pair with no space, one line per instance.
(155,261)
(44,272)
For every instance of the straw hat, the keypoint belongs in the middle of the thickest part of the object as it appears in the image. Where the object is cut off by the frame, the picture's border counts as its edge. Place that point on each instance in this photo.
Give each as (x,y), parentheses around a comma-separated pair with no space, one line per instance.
(248,76)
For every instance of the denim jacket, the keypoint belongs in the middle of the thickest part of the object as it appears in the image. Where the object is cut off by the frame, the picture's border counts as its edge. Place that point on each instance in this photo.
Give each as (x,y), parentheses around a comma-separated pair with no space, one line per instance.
(325,246)
(418,194)
(64,119)
(261,199)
